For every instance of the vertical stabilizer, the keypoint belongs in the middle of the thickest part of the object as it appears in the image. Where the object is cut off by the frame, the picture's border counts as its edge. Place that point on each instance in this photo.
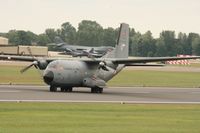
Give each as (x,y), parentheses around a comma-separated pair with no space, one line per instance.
(122,47)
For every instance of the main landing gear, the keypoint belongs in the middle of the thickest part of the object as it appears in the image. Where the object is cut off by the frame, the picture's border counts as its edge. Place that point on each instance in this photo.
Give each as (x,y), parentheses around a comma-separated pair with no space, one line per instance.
(62,89)
(53,89)
(70,89)
(66,89)
(96,90)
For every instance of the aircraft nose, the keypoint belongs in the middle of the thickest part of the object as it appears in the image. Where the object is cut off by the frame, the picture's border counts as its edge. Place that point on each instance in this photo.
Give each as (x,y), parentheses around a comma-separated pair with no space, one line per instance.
(48,77)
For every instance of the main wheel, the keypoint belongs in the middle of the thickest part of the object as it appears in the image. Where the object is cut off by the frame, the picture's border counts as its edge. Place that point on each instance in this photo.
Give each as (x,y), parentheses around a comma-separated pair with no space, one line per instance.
(96,90)
(53,89)
(69,89)
(93,90)
(100,90)
(62,89)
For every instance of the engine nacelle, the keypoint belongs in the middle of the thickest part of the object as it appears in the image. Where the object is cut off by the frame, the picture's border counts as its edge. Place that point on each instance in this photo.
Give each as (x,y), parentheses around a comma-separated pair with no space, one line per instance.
(42,64)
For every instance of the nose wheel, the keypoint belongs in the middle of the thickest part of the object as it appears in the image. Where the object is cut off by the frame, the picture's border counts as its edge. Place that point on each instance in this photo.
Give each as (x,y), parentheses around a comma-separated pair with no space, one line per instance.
(96,90)
(53,89)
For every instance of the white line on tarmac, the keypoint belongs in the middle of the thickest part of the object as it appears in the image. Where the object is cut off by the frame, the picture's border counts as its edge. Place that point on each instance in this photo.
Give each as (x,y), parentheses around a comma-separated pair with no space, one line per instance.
(9,91)
(142,92)
(117,102)
(13,85)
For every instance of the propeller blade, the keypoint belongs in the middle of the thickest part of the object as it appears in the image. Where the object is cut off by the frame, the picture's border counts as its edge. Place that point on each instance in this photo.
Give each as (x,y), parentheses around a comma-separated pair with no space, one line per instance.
(35,66)
(26,68)
(35,63)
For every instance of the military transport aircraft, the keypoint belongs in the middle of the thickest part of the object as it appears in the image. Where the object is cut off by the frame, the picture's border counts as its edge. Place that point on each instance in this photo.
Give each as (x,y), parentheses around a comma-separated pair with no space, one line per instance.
(79,51)
(90,54)
(91,72)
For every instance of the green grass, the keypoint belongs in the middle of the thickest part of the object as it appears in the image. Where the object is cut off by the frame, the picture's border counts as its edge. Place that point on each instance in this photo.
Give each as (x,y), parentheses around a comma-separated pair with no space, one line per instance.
(156,78)
(195,65)
(11,74)
(98,118)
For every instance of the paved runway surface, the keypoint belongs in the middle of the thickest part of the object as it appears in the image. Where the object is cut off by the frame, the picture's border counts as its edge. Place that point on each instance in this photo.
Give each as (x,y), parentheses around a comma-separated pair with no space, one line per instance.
(114,94)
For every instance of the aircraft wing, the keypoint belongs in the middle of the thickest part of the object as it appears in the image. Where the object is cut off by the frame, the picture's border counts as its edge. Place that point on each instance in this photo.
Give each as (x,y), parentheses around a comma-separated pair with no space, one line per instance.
(17,58)
(47,59)
(151,59)
(145,64)
(24,58)
(125,61)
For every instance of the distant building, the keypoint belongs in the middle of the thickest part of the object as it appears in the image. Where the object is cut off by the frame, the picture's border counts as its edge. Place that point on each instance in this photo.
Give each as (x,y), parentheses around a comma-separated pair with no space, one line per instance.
(3,41)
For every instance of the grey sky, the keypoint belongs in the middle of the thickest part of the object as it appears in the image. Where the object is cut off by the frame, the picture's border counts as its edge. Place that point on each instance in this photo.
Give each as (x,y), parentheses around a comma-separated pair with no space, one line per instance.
(143,15)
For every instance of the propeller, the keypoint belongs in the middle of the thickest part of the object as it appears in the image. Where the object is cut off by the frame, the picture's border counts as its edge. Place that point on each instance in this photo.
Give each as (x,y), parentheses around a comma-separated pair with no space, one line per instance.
(35,63)
(102,65)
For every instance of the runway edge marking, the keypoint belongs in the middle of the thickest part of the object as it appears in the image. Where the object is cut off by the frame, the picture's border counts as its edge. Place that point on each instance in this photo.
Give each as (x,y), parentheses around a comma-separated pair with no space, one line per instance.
(117,102)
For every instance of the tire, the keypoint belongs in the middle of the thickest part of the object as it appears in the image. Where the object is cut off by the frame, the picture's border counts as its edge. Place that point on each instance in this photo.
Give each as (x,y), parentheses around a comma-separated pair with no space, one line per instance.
(69,89)
(53,89)
(92,90)
(100,90)
(96,90)
(62,89)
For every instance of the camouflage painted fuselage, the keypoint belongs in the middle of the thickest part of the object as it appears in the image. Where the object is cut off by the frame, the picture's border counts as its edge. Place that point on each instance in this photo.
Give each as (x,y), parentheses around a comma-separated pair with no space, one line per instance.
(76,73)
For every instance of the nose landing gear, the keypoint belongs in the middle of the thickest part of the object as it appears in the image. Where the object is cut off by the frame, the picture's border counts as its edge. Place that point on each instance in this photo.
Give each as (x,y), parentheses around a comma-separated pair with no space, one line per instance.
(53,89)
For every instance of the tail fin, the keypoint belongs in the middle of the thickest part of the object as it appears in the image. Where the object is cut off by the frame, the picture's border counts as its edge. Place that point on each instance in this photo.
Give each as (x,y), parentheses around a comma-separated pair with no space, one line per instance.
(122,46)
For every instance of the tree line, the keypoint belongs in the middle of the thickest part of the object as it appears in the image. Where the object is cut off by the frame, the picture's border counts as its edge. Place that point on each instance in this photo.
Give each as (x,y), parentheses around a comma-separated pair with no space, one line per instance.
(90,33)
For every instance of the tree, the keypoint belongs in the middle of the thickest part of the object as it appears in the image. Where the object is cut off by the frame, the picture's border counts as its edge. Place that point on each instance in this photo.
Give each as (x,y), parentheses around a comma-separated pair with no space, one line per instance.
(13,37)
(109,37)
(161,48)
(148,45)
(43,39)
(67,33)
(90,33)
(196,46)
(166,43)
(142,45)
(3,34)
(190,39)
(134,44)
(21,37)
(181,44)
(51,33)
(24,38)
(33,37)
